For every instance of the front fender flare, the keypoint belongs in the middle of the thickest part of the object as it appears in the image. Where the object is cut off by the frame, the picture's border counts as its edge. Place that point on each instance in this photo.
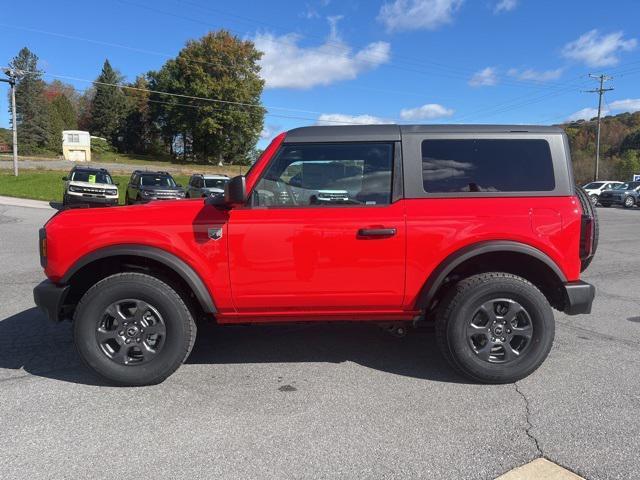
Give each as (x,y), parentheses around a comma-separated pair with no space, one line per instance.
(169,260)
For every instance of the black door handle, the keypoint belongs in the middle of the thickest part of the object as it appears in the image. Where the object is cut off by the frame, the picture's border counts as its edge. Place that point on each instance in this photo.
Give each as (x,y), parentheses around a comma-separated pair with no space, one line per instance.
(376,232)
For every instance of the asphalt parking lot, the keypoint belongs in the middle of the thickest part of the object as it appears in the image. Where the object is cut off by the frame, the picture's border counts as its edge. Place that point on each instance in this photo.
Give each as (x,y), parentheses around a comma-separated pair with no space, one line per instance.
(345,401)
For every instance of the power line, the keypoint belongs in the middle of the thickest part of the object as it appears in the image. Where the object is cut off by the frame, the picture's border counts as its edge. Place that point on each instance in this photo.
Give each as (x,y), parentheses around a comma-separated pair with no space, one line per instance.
(600,91)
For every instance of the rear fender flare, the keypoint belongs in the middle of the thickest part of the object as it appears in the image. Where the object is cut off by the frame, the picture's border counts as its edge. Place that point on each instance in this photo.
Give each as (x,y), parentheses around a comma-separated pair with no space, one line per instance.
(438,276)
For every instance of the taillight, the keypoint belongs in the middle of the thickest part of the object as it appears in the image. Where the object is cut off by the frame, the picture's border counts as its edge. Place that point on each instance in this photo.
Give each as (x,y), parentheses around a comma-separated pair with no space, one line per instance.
(42,245)
(586,236)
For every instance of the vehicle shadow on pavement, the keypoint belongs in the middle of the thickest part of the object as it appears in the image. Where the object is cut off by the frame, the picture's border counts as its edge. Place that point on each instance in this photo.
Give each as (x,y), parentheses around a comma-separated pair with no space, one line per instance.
(415,355)
(30,342)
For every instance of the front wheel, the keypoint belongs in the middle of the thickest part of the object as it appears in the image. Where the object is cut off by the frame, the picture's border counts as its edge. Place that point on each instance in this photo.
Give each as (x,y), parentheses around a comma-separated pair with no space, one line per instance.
(594,199)
(133,329)
(629,201)
(495,327)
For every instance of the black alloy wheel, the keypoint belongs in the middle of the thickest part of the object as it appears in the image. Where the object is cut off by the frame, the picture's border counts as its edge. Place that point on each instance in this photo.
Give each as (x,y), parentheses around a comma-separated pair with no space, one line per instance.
(500,331)
(131,331)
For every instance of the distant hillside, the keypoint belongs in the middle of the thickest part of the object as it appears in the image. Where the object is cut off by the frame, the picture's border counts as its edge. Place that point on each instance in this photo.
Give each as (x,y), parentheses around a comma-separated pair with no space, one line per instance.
(619,147)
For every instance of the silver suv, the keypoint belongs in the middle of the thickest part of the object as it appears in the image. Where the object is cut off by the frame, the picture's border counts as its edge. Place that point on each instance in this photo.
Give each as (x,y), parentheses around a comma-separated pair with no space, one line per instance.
(89,186)
(201,185)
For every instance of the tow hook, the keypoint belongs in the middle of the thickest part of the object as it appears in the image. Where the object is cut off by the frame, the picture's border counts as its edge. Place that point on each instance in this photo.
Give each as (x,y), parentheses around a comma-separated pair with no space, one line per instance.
(397,329)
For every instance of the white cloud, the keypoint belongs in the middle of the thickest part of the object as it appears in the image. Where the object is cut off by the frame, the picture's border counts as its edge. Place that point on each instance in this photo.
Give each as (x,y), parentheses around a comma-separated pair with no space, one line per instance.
(285,64)
(534,75)
(426,112)
(417,14)
(344,119)
(597,50)
(505,6)
(487,77)
(270,131)
(585,114)
(627,105)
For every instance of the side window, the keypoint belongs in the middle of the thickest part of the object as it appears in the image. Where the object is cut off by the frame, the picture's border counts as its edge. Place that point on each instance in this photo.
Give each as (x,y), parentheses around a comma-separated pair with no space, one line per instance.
(199,182)
(327,174)
(192,181)
(487,165)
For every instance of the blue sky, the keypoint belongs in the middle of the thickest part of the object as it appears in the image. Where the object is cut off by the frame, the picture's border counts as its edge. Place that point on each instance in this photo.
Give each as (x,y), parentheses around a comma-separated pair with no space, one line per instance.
(352,61)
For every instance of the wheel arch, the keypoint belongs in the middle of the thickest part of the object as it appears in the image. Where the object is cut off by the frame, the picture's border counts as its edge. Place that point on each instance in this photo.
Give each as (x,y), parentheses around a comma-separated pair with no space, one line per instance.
(505,256)
(106,259)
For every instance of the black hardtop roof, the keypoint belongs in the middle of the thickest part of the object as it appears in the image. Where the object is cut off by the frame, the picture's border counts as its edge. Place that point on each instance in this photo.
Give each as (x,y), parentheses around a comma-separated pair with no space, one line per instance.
(88,169)
(150,172)
(394,132)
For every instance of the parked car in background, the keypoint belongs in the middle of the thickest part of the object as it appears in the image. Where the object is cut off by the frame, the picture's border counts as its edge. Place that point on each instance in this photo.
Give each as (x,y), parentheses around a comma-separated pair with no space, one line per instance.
(201,185)
(89,186)
(145,186)
(625,194)
(594,189)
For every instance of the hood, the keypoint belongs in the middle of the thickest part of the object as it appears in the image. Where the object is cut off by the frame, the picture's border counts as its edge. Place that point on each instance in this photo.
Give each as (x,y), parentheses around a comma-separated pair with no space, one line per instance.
(92,184)
(155,188)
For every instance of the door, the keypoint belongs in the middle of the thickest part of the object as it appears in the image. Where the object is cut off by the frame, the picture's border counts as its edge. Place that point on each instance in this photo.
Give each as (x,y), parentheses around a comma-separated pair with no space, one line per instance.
(320,233)
(77,155)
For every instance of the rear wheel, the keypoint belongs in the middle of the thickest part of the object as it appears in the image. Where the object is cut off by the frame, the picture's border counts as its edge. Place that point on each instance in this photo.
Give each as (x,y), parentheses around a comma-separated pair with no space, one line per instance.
(495,327)
(629,201)
(594,199)
(133,329)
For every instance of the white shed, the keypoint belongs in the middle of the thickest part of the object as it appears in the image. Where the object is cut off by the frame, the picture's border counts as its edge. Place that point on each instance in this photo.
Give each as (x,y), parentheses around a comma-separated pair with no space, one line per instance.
(76,145)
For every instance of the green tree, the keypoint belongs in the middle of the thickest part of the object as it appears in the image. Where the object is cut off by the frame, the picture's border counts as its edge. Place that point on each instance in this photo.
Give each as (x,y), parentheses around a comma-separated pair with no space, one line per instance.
(629,165)
(31,107)
(137,131)
(224,69)
(107,105)
(62,116)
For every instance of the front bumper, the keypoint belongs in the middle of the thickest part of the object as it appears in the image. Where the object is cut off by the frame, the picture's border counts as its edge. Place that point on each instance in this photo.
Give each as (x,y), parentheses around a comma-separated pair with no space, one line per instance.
(49,297)
(578,297)
(88,200)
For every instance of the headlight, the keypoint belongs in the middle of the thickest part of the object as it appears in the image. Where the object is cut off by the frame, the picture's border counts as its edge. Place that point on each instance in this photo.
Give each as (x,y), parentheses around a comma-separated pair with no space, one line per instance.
(146,193)
(74,189)
(181,194)
(112,192)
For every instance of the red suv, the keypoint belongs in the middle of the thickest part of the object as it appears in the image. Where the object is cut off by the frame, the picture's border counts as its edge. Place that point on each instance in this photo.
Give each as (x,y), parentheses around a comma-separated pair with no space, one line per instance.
(478,228)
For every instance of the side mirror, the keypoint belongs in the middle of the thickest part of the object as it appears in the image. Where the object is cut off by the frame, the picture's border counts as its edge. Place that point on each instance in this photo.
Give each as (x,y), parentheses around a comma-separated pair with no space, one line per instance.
(179,185)
(117,184)
(235,192)
(65,178)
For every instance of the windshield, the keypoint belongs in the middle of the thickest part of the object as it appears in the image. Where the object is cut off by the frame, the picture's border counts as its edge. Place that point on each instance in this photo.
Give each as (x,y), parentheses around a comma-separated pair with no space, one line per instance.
(157,181)
(593,185)
(91,176)
(215,183)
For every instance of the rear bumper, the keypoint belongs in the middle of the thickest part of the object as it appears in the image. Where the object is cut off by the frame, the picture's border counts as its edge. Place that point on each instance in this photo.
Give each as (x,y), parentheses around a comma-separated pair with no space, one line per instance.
(49,297)
(578,297)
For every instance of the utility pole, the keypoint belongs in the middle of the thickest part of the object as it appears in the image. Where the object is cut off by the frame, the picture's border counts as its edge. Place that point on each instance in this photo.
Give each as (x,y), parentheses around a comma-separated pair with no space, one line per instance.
(600,91)
(13,75)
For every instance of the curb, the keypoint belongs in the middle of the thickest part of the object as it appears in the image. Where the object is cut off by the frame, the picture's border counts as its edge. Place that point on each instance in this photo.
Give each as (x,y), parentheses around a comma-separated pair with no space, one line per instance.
(24,202)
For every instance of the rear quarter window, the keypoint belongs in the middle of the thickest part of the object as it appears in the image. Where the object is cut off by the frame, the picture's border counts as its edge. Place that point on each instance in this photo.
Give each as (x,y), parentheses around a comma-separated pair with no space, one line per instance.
(487,165)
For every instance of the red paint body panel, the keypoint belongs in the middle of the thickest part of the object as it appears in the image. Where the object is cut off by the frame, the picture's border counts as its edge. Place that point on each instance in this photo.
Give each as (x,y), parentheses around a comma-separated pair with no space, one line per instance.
(310,259)
(437,228)
(292,264)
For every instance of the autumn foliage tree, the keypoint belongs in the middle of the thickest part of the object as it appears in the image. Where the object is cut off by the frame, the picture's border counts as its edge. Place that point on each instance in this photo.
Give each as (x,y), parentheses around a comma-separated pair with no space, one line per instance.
(223,69)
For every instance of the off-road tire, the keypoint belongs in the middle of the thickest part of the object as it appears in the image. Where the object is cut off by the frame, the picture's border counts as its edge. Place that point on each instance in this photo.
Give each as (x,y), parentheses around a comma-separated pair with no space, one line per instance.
(180,328)
(457,309)
(588,208)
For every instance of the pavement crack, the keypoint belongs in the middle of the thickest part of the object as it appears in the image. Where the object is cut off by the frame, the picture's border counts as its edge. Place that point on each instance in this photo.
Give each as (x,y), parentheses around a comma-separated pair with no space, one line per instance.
(529,426)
